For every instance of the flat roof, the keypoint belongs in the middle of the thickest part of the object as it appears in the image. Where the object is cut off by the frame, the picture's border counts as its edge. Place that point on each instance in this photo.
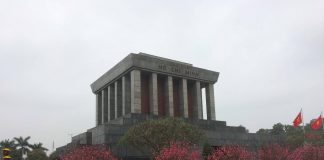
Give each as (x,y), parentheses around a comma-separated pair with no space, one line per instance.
(151,63)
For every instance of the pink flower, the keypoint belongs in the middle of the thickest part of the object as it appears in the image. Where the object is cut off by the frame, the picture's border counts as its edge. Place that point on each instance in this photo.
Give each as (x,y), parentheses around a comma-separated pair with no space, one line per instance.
(89,153)
(307,152)
(178,151)
(231,153)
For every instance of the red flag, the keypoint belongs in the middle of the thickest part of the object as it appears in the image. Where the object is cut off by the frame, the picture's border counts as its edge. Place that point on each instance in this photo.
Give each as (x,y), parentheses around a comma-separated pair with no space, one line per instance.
(298,120)
(317,124)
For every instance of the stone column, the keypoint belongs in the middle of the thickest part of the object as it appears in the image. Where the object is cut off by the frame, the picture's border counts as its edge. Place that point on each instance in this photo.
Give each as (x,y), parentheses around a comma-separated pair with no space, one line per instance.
(169,96)
(210,102)
(183,98)
(197,106)
(153,94)
(136,91)
(124,99)
(104,93)
(126,89)
(108,104)
(112,101)
(118,99)
(98,108)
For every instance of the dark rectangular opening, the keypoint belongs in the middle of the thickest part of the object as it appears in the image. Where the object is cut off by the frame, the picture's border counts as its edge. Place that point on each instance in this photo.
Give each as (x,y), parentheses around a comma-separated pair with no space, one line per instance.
(190,92)
(161,94)
(145,97)
(176,96)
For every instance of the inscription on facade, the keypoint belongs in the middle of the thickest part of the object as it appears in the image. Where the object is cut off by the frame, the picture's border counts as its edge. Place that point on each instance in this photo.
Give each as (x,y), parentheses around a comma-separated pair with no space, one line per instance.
(179,69)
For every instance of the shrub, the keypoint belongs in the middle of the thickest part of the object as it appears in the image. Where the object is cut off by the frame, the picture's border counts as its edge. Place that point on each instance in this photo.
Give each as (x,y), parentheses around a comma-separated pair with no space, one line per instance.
(273,152)
(37,154)
(89,153)
(231,153)
(178,151)
(154,135)
(207,150)
(307,152)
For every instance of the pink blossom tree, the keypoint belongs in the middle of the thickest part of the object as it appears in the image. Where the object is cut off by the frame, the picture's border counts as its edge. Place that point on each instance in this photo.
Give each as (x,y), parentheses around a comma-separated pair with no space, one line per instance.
(178,151)
(89,153)
(307,152)
(273,152)
(231,153)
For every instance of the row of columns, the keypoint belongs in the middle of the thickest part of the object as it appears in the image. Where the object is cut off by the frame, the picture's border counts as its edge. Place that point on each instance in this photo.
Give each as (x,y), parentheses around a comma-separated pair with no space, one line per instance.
(124,96)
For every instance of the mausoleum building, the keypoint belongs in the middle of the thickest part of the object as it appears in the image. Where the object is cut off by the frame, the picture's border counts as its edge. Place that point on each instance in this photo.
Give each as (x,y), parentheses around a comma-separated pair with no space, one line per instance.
(143,87)
(151,85)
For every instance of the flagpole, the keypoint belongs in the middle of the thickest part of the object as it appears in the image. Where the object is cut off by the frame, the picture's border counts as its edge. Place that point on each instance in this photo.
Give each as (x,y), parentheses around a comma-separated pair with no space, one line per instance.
(304,131)
(302,114)
(322,120)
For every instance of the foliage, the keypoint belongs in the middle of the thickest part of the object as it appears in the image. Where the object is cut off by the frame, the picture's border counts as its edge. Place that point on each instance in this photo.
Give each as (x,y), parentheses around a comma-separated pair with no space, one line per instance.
(8,144)
(273,152)
(263,131)
(89,153)
(178,151)
(38,146)
(314,137)
(231,153)
(277,129)
(207,149)
(23,144)
(156,134)
(308,152)
(246,130)
(11,145)
(37,154)
(53,156)
(270,152)
(294,137)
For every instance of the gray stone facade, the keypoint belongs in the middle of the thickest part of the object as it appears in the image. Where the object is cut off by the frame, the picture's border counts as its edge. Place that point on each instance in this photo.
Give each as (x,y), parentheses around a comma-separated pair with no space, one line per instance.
(217,134)
(147,84)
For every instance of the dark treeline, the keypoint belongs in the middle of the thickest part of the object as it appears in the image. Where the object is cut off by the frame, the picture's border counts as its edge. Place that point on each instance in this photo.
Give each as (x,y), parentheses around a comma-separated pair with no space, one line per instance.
(295,136)
(20,147)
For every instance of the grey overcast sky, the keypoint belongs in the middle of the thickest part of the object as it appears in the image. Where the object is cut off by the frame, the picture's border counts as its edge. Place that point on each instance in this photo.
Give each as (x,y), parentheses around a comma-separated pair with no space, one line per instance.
(270,55)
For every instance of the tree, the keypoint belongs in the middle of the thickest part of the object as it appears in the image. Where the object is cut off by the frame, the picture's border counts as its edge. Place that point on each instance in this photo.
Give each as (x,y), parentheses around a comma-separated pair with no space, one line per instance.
(294,136)
(277,129)
(178,151)
(37,154)
(8,144)
(287,134)
(53,156)
(231,153)
(23,145)
(273,152)
(307,152)
(207,149)
(263,131)
(89,153)
(157,134)
(11,145)
(38,146)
